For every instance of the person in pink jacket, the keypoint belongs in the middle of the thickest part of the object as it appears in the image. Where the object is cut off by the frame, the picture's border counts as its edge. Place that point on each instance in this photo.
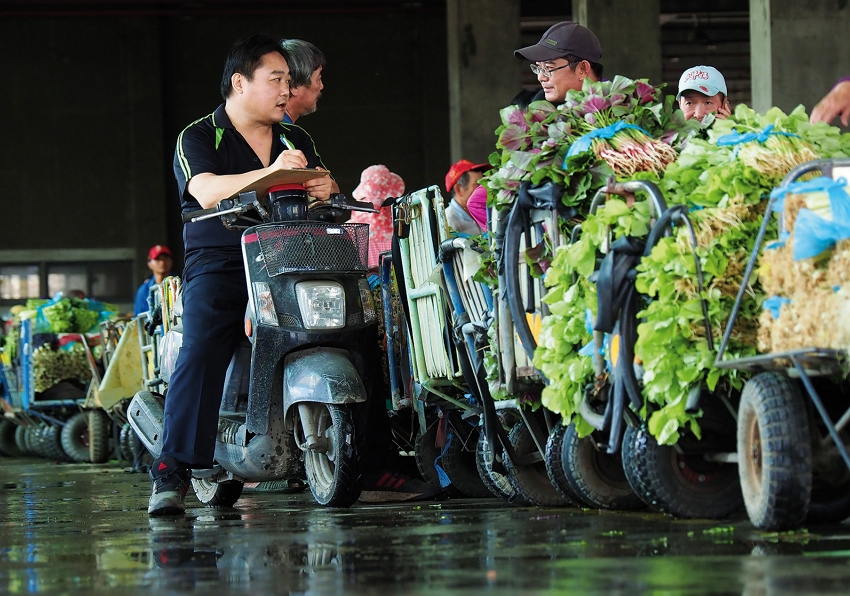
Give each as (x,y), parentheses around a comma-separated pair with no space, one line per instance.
(377,183)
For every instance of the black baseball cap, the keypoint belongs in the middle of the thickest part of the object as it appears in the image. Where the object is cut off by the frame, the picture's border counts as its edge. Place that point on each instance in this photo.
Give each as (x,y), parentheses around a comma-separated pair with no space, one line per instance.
(561,39)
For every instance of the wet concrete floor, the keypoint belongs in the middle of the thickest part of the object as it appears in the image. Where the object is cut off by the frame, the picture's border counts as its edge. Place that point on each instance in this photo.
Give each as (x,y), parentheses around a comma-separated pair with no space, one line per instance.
(84,529)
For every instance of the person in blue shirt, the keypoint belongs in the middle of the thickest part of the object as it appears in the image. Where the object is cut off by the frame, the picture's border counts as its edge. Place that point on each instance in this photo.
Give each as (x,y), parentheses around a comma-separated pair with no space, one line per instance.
(159,262)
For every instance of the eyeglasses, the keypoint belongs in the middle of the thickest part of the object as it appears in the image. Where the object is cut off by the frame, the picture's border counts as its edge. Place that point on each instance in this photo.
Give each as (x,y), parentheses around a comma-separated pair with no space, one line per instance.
(546,71)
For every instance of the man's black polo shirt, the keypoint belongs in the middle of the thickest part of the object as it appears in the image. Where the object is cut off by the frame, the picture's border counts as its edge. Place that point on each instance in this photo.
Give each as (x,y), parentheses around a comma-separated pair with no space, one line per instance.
(213,145)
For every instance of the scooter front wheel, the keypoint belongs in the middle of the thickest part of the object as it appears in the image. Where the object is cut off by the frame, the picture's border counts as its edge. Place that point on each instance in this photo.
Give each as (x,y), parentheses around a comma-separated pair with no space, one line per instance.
(332,465)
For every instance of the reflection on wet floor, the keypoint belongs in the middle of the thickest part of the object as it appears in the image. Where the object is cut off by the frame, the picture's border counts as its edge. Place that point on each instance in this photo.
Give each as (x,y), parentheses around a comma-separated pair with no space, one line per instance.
(70,527)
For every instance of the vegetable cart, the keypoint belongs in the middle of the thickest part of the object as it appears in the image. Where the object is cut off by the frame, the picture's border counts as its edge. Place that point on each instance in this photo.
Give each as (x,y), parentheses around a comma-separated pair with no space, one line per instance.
(429,376)
(51,423)
(792,451)
(531,226)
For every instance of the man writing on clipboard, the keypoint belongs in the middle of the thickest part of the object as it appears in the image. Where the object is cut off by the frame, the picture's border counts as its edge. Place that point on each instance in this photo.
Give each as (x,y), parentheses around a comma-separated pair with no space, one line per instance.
(216,157)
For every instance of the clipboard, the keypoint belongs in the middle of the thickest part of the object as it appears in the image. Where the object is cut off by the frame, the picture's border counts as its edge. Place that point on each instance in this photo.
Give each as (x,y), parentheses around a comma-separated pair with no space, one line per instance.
(282,176)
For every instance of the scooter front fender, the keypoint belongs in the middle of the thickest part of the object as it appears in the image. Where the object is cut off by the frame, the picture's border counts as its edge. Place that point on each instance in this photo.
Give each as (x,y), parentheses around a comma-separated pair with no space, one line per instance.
(320,375)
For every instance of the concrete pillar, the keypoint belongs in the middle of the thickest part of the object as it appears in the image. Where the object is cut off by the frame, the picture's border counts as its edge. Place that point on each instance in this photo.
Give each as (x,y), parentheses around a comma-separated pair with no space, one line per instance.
(798,50)
(630,34)
(483,73)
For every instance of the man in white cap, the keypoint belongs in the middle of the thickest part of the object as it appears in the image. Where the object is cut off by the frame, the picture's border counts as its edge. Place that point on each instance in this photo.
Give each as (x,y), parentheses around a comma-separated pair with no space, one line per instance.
(566,55)
(702,91)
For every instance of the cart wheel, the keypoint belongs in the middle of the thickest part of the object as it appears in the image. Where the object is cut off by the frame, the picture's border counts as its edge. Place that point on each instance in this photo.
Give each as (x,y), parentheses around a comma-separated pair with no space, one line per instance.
(53,444)
(556,465)
(830,501)
(829,504)
(8,446)
(530,482)
(34,441)
(125,442)
(495,482)
(426,452)
(99,426)
(774,452)
(683,485)
(75,437)
(32,438)
(596,476)
(217,494)
(21,440)
(141,458)
(458,462)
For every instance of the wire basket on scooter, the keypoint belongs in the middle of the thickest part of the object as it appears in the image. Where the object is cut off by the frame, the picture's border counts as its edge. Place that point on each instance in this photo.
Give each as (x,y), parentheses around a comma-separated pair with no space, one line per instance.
(314,247)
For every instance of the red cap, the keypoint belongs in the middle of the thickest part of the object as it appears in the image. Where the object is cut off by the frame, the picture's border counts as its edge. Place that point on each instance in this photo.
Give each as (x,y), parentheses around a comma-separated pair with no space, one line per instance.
(159,249)
(461,168)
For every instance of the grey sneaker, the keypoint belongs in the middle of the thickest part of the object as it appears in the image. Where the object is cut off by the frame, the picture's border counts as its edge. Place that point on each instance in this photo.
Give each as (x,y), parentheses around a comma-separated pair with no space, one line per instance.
(170,484)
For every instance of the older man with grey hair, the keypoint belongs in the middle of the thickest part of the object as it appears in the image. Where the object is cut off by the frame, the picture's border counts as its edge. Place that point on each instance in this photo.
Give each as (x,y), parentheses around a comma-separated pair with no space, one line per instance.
(306,62)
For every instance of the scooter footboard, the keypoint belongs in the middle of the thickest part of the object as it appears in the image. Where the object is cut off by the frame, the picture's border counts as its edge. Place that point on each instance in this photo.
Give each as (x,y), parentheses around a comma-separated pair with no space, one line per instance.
(145,414)
(321,375)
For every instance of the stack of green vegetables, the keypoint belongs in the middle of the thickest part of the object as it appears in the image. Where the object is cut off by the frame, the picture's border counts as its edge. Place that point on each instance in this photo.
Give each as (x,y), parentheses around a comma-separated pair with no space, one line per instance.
(65,315)
(52,366)
(723,184)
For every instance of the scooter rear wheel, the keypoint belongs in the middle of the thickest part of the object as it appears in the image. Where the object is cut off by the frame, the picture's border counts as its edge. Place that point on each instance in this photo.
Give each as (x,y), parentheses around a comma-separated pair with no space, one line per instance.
(332,470)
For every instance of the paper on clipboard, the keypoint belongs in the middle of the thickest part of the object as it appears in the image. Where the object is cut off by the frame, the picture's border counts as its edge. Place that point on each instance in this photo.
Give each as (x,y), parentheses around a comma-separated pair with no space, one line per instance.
(282,176)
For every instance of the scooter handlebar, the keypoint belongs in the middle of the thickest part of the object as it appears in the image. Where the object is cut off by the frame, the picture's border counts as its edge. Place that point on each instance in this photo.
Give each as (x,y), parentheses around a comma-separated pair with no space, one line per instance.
(199,214)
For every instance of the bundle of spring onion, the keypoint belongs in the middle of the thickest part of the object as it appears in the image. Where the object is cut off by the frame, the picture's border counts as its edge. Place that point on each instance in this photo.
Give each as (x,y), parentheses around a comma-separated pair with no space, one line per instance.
(805,274)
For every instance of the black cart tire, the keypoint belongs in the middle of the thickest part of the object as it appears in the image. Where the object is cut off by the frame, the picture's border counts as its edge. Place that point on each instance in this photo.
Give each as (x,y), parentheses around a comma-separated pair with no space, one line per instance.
(142,459)
(32,439)
(830,501)
(125,442)
(53,444)
(497,483)
(8,446)
(218,495)
(530,482)
(458,462)
(426,453)
(100,426)
(21,440)
(685,486)
(75,437)
(595,476)
(334,476)
(555,465)
(829,505)
(774,452)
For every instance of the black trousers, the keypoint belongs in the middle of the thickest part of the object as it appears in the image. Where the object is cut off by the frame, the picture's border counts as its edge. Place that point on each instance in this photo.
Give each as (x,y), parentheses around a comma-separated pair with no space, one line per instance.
(213,312)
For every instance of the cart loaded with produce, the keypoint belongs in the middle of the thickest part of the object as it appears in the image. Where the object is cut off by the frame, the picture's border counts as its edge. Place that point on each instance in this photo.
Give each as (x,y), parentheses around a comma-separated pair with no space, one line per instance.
(792,451)
(640,226)
(53,353)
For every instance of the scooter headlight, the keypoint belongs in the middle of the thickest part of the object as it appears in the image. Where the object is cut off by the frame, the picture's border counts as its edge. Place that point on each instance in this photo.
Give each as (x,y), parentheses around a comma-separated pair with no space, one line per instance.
(266,314)
(369,313)
(322,304)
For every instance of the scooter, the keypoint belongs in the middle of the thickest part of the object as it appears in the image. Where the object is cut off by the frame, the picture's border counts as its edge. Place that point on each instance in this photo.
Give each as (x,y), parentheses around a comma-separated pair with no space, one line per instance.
(295,392)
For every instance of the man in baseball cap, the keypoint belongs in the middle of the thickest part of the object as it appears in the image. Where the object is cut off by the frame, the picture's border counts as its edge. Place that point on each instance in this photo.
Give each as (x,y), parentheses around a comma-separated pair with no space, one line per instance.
(566,55)
(461,180)
(702,91)
(159,262)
